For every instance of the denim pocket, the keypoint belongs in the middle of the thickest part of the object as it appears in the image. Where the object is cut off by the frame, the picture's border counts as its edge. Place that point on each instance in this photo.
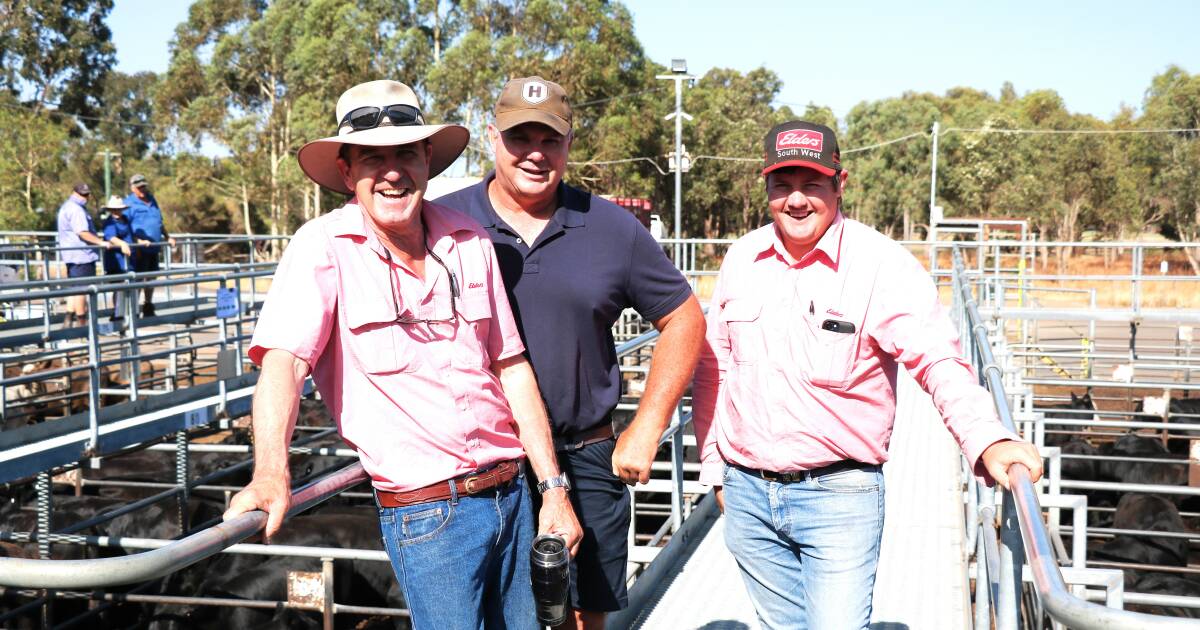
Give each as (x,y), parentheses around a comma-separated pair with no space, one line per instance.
(387,516)
(424,522)
(850,481)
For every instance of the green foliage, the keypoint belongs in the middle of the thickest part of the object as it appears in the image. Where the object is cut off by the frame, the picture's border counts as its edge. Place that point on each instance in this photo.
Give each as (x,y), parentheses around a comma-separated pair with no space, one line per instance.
(56,52)
(253,80)
(33,177)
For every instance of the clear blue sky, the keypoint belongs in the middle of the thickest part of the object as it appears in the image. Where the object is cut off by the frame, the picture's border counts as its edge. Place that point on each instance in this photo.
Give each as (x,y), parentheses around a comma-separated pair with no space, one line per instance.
(1097,55)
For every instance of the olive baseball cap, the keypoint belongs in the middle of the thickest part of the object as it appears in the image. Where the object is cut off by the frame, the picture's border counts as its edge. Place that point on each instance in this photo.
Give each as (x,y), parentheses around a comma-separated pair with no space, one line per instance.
(801,143)
(533,99)
(138,180)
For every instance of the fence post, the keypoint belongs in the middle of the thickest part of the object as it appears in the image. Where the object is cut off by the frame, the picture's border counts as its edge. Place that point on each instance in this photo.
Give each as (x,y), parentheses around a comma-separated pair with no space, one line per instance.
(1012,557)
(676,470)
(93,372)
(327,581)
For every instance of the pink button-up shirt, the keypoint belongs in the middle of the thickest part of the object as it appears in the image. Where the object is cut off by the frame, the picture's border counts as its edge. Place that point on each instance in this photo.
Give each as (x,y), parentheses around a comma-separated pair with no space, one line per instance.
(776,391)
(419,402)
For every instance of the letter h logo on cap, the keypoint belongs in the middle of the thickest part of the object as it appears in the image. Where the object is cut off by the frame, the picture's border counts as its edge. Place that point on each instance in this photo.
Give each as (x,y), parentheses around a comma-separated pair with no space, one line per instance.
(535,92)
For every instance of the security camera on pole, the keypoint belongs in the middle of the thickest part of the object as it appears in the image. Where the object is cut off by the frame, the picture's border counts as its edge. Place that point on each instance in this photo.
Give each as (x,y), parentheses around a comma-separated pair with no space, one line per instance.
(679,160)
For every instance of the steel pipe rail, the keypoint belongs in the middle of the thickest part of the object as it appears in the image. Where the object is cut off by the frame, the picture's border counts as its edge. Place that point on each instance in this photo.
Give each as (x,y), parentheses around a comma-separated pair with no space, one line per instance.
(1048,580)
(1093,315)
(105,572)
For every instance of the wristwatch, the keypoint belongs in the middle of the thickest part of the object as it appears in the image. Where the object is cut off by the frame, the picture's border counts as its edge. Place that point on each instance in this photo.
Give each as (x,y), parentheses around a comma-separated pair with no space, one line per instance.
(559,481)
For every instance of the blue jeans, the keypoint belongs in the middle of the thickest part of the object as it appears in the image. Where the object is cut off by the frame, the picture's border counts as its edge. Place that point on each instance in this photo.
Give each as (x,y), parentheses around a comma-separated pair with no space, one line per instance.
(463,563)
(807,549)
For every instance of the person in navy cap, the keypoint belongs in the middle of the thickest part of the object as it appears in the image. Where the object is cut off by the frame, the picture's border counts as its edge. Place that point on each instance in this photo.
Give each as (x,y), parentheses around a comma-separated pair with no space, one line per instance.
(76,231)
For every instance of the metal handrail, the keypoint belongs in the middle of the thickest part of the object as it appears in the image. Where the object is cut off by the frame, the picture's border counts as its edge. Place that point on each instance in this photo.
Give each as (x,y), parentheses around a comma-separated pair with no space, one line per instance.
(139,567)
(1047,578)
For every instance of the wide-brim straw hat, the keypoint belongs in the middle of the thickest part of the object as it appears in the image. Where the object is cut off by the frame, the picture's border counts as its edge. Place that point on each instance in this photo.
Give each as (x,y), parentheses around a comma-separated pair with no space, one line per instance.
(318,159)
(116,203)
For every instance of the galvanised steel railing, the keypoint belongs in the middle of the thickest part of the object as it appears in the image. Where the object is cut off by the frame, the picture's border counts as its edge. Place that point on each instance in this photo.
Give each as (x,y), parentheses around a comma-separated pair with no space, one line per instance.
(1022,530)
(168,557)
(105,572)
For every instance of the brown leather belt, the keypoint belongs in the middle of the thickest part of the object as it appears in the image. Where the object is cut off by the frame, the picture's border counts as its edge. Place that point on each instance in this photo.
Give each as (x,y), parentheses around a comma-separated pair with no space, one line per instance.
(474,483)
(580,440)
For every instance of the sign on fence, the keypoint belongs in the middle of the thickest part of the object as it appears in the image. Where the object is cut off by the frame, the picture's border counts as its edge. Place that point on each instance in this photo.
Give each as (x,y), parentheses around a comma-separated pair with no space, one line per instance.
(227,303)
(195,418)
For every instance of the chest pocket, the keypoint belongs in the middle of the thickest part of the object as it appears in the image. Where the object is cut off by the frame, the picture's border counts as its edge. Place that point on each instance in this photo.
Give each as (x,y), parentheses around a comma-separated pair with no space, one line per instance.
(475,308)
(376,342)
(826,356)
(741,317)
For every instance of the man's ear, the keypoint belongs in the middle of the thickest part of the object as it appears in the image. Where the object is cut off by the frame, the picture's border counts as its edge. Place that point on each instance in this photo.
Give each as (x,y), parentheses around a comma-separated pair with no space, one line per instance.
(343,168)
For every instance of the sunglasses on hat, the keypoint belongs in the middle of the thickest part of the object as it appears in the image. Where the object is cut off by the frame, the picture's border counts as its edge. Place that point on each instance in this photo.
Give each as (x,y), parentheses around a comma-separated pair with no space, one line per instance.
(369,117)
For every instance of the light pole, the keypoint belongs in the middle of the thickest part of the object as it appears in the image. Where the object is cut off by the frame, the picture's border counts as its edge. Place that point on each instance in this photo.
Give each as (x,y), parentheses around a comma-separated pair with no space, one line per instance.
(678,75)
(108,156)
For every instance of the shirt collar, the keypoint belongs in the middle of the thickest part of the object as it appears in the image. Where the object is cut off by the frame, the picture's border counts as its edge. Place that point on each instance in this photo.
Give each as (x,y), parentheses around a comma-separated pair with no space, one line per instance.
(570,212)
(830,243)
(440,226)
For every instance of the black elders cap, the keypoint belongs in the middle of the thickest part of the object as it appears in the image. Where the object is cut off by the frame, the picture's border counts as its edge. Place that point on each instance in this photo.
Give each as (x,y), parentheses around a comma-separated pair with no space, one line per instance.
(82,189)
(801,143)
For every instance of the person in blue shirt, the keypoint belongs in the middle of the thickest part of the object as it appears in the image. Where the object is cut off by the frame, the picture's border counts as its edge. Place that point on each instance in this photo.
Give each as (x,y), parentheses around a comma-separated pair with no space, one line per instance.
(118,233)
(146,220)
(76,232)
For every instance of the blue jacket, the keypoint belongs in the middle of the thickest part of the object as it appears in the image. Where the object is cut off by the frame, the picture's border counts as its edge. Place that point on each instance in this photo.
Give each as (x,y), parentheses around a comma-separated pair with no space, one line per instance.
(114,260)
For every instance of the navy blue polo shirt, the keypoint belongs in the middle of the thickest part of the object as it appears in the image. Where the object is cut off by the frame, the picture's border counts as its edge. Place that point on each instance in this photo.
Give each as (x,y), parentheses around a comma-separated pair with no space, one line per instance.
(591,261)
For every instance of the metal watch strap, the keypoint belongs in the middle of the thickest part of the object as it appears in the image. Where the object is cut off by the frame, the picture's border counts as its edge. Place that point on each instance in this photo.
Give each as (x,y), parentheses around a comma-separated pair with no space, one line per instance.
(558,481)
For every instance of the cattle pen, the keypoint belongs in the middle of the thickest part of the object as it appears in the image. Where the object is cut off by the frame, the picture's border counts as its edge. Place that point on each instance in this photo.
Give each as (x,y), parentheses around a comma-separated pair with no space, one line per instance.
(121,447)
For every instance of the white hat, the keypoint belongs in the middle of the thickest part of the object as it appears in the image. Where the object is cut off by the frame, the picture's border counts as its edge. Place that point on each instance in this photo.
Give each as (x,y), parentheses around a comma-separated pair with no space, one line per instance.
(318,159)
(115,203)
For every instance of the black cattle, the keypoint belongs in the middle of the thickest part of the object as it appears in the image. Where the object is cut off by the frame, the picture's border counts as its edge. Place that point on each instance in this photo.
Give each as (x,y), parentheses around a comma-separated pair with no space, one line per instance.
(1079,469)
(1167,584)
(1180,440)
(1145,512)
(1057,435)
(154,521)
(313,413)
(241,576)
(1133,445)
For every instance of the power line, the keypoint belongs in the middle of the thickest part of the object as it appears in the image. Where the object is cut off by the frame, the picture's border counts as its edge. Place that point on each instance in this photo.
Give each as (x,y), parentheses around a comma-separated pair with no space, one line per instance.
(724,158)
(55,112)
(619,96)
(885,143)
(624,161)
(1068,131)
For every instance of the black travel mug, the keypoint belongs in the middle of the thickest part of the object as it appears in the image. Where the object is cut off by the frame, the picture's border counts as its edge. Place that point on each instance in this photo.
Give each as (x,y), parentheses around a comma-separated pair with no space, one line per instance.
(550,572)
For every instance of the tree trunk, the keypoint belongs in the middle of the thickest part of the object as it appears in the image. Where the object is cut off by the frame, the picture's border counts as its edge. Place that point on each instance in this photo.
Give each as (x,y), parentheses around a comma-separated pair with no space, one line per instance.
(246,209)
(28,192)
(437,34)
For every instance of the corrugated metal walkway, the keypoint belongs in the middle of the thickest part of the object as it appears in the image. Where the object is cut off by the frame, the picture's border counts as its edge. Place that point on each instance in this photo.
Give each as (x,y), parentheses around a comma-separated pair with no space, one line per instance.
(922,579)
(922,582)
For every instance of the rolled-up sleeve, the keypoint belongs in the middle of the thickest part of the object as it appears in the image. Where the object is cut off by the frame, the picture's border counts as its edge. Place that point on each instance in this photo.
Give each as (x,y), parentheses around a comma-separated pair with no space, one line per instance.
(706,387)
(300,308)
(911,325)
